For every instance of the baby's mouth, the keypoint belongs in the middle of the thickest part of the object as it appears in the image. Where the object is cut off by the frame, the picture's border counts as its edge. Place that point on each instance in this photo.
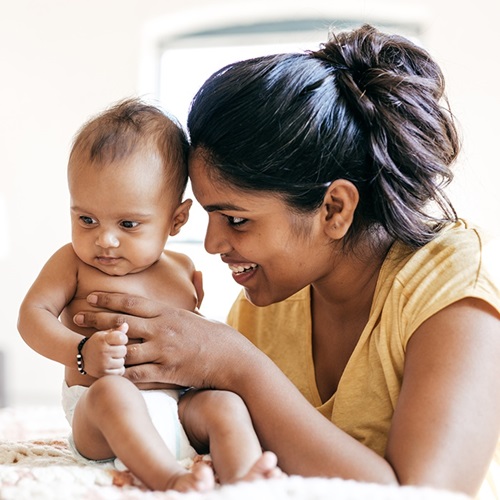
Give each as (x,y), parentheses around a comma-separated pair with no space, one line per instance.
(242,268)
(103,259)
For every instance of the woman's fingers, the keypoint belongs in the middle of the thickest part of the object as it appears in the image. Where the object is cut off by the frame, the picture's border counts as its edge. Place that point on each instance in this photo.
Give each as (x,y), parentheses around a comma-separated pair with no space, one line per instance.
(120,309)
(164,343)
(146,373)
(133,305)
(104,320)
(140,353)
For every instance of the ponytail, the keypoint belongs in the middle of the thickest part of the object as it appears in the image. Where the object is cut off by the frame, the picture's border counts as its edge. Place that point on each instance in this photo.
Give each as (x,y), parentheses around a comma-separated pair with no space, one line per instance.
(395,90)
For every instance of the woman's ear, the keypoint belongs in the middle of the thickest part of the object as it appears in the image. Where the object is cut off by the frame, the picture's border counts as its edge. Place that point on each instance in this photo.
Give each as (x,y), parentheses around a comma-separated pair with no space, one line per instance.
(180,217)
(339,204)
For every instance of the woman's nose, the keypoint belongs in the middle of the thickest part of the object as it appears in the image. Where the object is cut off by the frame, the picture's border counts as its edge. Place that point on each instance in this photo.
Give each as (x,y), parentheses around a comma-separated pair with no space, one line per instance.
(107,239)
(215,239)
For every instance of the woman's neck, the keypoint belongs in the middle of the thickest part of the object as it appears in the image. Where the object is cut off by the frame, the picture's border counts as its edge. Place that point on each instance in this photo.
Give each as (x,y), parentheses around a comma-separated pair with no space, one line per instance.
(349,287)
(340,309)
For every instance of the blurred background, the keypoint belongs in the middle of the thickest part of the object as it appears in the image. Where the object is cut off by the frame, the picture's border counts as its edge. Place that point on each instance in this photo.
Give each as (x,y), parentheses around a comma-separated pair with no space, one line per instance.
(62,61)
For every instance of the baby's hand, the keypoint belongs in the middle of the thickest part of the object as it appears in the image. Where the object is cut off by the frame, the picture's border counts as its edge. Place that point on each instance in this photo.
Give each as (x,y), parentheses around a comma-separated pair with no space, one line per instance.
(104,353)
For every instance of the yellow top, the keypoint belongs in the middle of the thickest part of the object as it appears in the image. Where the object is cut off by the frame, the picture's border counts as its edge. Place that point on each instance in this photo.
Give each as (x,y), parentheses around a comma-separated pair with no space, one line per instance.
(411,287)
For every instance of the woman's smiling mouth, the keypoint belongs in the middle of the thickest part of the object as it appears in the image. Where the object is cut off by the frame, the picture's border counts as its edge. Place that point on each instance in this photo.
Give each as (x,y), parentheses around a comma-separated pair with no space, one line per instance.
(243,272)
(242,268)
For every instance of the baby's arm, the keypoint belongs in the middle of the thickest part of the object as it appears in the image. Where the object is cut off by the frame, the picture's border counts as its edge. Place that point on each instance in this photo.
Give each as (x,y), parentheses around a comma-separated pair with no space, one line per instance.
(41,329)
(198,285)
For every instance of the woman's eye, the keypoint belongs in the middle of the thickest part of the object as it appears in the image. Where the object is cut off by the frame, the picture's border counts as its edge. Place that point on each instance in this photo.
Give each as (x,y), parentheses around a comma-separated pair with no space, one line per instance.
(129,224)
(236,221)
(88,221)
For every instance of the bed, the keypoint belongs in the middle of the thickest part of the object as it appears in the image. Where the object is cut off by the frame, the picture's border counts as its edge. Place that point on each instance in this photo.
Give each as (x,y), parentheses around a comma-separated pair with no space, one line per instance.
(36,463)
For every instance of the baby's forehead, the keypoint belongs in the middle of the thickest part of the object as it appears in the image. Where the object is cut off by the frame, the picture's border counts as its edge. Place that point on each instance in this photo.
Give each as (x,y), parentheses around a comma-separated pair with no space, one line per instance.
(147,160)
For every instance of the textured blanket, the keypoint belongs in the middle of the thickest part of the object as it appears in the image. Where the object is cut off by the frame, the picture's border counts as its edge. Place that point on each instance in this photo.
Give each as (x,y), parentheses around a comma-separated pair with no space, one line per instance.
(36,463)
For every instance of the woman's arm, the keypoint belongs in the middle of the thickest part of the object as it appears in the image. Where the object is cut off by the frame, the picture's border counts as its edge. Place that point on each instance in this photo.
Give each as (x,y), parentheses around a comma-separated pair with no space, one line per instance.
(445,426)
(447,420)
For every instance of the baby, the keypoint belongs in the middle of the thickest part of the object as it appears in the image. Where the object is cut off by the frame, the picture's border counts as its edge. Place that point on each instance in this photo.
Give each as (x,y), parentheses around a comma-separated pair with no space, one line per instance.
(127,173)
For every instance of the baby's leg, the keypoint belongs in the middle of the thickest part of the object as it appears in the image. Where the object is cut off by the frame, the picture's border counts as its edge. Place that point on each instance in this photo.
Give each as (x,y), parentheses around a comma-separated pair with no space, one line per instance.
(111,420)
(219,422)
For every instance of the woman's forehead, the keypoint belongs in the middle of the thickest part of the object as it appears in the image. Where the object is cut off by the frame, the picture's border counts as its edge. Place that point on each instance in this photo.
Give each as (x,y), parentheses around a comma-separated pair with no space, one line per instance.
(215,194)
(205,180)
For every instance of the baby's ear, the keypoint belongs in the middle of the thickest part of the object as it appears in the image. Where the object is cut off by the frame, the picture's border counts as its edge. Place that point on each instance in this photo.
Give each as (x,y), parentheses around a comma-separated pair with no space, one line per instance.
(339,204)
(180,217)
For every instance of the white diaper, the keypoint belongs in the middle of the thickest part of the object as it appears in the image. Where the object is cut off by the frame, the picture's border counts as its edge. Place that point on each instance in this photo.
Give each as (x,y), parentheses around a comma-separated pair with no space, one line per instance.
(162,407)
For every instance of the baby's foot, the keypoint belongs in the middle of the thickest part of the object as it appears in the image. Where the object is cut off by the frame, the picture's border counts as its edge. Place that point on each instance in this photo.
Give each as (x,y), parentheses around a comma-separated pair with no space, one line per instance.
(266,467)
(200,478)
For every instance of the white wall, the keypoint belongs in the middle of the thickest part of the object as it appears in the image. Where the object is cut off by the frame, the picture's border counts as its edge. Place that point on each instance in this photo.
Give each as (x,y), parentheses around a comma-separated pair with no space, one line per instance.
(62,61)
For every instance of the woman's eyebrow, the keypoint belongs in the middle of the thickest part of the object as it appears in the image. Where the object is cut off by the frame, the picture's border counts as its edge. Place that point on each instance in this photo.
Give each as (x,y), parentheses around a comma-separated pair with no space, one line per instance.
(226,207)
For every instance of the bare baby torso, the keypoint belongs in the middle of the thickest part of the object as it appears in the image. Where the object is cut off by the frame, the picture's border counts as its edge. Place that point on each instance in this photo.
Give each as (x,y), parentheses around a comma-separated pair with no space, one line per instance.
(169,280)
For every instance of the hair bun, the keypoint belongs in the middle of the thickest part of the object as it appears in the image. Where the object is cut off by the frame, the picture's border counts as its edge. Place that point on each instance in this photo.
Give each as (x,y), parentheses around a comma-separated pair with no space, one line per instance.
(394,89)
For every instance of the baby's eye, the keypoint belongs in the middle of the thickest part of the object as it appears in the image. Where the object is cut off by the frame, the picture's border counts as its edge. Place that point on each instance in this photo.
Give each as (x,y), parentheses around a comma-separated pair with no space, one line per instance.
(88,221)
(236,221)
(129,224)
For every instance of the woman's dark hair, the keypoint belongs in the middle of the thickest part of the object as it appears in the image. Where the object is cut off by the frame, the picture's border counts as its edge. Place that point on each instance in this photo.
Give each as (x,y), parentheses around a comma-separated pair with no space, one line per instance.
(366,107)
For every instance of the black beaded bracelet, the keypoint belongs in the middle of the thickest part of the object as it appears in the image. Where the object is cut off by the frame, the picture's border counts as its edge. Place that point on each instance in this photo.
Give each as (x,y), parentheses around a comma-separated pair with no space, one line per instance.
(79,356)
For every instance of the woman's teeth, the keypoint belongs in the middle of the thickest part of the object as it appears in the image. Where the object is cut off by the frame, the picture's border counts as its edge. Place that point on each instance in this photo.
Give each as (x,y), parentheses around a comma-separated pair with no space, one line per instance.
(242,269)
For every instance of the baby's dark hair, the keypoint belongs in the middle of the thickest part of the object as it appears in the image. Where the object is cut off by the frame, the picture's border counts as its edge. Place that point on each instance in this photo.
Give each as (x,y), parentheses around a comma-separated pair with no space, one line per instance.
(127,125)
(368,107)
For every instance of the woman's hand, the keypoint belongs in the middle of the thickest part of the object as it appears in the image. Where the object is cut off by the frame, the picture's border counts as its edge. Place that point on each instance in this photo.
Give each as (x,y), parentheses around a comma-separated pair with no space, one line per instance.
(176,346)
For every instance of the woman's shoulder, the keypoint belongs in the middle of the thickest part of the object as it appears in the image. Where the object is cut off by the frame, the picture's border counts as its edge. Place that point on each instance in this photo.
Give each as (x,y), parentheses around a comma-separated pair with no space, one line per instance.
(462,235)
(459,263)
(459,245)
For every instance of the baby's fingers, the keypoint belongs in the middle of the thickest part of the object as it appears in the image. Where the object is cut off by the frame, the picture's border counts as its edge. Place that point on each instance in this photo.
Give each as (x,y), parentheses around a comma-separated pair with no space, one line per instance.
(118,337)
(116,363)
(118,370)
(118,352)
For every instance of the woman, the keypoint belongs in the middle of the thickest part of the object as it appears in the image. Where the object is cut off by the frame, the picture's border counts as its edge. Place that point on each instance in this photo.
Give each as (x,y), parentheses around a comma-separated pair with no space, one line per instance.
(323,176)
